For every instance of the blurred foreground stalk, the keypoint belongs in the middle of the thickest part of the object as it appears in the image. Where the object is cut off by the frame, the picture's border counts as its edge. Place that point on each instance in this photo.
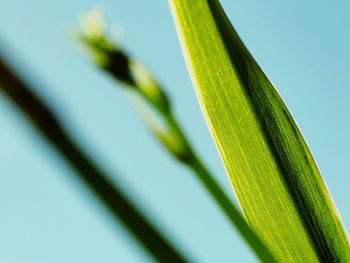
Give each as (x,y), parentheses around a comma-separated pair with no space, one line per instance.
(48,126)
(155,109)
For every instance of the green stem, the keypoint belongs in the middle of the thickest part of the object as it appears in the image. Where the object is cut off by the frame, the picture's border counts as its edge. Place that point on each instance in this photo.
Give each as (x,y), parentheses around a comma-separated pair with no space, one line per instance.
(232,212)
(48,126)
(221,198)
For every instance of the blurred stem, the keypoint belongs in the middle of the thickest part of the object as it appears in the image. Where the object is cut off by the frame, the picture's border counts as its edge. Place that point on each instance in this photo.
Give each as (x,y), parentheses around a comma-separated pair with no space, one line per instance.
(48,126)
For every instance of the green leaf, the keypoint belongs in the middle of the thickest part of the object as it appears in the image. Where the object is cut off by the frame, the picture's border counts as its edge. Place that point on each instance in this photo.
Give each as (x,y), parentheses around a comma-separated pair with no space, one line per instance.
(278,185)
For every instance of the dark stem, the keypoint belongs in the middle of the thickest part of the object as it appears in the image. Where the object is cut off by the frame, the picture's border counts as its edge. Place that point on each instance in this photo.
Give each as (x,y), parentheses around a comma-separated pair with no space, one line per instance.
(50,128)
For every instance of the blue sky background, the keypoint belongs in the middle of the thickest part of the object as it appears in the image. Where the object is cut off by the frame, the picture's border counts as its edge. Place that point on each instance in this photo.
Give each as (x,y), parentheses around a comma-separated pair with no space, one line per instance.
(47,217)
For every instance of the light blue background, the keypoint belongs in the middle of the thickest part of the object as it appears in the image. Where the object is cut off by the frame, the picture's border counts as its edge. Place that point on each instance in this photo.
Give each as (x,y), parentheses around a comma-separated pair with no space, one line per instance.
(46,217)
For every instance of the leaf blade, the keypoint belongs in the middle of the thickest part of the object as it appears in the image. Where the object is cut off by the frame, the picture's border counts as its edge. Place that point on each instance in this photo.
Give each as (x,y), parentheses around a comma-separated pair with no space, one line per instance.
(275,177)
